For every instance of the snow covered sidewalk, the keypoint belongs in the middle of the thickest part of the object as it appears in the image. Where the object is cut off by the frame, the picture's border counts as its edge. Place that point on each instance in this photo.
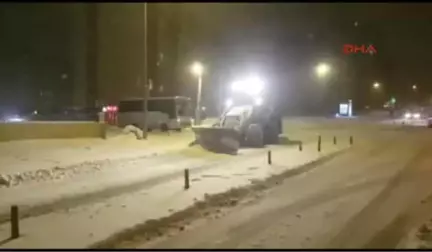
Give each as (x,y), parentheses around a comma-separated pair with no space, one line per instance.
(82,226)
(420,238)
(32,155)
(111,179)
(89,181)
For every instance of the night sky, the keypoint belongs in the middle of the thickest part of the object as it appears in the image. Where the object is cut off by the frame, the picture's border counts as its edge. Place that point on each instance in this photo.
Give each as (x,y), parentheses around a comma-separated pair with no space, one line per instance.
(281,42)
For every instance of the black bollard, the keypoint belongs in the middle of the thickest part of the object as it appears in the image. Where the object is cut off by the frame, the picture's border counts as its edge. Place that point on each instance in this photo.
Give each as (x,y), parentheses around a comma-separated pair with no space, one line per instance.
(334,140)
(186,179)
(269,157)
(300,146)
(14,222)
(319,143)
(351,140)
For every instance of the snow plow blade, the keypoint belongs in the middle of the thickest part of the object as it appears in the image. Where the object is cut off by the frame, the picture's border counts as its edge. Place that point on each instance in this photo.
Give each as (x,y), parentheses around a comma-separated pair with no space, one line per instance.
(219,140)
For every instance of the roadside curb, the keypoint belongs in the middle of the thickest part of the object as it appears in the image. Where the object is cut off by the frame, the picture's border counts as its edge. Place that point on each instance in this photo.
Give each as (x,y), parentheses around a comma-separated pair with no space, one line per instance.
(153,228)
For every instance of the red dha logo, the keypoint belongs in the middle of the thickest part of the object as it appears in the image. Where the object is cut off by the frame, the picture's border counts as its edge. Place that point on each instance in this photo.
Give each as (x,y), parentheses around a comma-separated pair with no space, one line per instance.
(349,49)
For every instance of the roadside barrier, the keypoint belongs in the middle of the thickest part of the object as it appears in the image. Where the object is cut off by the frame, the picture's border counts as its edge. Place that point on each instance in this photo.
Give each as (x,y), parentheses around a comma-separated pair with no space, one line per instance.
(14,222)
(186,179)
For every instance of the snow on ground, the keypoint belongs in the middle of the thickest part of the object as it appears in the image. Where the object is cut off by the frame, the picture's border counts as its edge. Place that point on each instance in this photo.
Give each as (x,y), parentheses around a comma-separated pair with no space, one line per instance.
(145,204)
(22,161)
(114,178)
(139,166)
(336,203)
(420,238)
(424,234)
(81,226)
(420,235)
(417,123)
(93,169)
(42,160)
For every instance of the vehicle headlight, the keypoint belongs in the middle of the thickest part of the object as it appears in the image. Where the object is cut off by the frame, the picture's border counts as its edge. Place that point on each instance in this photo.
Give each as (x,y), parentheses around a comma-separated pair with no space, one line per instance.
(229,103)
(15,119)
(417,115)
(252,86)
(258,101)
(408,115)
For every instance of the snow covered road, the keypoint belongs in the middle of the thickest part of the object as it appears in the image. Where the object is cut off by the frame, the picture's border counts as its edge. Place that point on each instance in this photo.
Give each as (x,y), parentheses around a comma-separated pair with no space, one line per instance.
(364,199)
(80,226)
(118,177)
(133,166)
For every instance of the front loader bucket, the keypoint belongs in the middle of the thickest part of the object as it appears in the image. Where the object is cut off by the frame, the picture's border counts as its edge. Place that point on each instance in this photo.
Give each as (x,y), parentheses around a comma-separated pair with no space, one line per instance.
(219,140)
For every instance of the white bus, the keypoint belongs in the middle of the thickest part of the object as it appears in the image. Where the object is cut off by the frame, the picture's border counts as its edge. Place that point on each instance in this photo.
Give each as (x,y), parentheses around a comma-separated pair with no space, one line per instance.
(164,113)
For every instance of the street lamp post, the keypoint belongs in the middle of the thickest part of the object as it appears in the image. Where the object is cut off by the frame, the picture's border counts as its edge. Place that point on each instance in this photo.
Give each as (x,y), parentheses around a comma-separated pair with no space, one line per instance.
(322,72)
(377,97)
(197,70)
(145,75)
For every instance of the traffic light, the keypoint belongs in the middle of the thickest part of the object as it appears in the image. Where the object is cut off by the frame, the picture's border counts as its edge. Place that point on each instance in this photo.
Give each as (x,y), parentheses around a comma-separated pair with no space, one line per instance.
(393,100)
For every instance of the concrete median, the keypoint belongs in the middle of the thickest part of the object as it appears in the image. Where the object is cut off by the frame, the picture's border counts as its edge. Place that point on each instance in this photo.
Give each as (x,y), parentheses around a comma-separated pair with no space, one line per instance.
(50,130)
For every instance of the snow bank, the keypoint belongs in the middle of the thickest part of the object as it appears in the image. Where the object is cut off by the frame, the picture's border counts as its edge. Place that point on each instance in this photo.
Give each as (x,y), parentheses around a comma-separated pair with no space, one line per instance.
(58,173)
(420,238)
(43,160)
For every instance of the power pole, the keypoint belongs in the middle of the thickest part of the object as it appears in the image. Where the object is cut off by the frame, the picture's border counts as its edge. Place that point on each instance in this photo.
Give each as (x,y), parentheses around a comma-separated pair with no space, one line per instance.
(92,54)
(145,75)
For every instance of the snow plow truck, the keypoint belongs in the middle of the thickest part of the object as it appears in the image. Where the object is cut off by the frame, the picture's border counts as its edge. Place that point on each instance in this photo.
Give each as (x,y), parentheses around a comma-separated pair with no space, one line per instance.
(249,119)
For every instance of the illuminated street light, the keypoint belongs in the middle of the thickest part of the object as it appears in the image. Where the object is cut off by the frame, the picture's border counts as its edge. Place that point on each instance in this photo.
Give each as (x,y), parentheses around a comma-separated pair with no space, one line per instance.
(197,69)
(414,87)
(376,85)
(322,70)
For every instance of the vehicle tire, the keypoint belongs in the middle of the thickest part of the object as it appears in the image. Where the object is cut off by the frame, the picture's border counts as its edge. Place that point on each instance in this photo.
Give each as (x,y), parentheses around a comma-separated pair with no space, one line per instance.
(164,127)
(254,136)
(271,133)
(178,130)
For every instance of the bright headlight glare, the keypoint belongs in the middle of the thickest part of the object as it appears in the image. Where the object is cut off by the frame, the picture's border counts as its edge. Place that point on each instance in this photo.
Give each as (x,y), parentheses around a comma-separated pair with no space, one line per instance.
(258,101)
(255,86)
(416,115)
(252,86)
(15,119)
(407,115)
(229,103)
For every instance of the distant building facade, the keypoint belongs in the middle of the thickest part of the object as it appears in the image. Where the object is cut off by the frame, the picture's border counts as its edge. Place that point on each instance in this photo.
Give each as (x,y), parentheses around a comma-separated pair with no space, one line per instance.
(109,51)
